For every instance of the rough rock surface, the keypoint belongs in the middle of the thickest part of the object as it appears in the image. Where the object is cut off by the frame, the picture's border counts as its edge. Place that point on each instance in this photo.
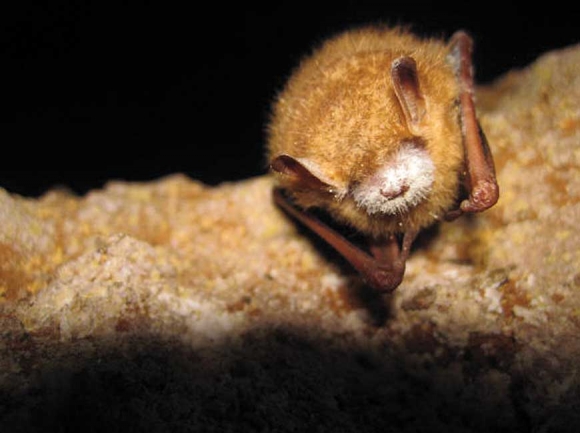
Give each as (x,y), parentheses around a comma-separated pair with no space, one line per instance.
(173,306)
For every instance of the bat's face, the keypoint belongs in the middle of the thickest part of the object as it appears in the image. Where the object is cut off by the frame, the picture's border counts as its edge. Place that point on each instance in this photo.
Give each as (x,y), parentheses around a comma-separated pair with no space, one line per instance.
(408,188)
(398,186)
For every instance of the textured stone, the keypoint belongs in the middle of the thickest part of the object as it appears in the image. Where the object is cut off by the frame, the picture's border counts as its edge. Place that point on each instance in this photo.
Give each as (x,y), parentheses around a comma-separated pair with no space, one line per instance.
(171,305)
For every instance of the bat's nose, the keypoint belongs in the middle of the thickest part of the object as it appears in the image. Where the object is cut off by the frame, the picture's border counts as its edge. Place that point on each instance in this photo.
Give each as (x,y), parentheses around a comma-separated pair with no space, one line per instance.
(391,194)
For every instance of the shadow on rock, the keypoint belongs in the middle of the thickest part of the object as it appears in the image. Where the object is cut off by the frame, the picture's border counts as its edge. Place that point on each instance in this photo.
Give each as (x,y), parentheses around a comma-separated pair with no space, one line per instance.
(282,380)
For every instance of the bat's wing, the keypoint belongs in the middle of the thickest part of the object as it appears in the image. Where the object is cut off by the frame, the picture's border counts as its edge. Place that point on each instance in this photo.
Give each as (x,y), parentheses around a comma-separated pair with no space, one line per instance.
(383,270)
(480,181)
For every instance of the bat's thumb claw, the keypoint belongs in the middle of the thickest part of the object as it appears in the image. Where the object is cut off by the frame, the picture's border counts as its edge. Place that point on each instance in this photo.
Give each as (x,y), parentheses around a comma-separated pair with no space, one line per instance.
(484,195)
(385,280)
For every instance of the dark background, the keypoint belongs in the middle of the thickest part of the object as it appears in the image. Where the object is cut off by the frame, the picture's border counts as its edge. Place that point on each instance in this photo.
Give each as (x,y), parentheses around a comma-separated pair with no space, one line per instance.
(92,91)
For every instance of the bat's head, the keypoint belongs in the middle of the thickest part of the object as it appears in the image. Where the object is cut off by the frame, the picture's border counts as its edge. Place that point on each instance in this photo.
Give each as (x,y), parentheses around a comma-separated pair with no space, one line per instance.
(381,152)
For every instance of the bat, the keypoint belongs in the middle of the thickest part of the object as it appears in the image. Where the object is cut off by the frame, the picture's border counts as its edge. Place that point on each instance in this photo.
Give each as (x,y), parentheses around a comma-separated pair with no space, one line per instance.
(377,128)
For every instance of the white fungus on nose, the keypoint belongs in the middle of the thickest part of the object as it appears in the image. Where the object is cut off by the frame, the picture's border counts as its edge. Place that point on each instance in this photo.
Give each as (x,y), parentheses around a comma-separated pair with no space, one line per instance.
(402,183)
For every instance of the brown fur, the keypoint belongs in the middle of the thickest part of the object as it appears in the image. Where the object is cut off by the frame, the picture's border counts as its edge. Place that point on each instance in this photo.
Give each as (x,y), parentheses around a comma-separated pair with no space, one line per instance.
(340,113)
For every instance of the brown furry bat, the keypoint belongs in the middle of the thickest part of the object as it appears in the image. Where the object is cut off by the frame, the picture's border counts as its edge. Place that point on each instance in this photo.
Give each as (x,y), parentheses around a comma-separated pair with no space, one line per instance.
(378,128)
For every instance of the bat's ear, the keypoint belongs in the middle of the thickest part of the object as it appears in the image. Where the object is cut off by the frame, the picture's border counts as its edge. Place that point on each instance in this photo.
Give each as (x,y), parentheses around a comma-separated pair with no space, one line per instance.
(408,91)
(302,172)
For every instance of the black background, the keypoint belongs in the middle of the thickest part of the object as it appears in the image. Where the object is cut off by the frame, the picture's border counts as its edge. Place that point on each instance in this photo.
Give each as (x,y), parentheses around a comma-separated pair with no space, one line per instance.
(92,91)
